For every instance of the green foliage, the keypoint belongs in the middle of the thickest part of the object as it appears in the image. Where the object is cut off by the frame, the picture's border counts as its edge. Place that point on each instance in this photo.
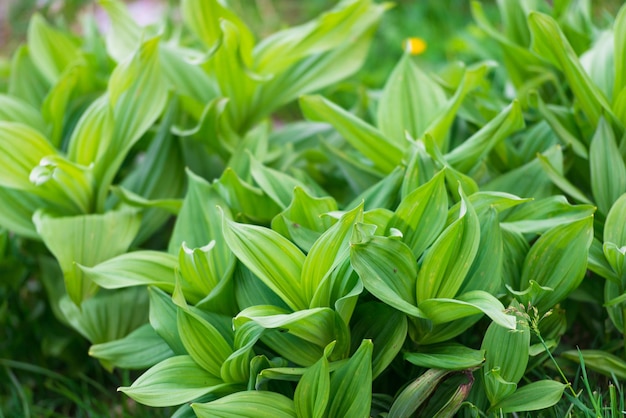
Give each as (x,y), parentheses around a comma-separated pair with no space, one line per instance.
(354,264)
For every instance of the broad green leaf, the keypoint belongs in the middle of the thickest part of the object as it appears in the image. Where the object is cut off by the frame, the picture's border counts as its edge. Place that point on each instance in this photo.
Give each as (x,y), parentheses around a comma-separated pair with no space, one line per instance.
(140,349)
(486,271)
(419,170)
(134,269)
(328,252)
(124,37)
(385,326)
(86,240)
(317,326)
(251,291)
(599,361)
(450,257)
(421,215)
(410,101)
(14,109)
(340,289)
(26,82)
(203,283)
(387,268)
(51,50)
(204,16)
(108,316)
(608,171)
(477,147)
(199,223)
(541,215)
(558,260)
(237,367)
(447,356)
(615,226)
(350,385)
(365,138)
(506,357)
(163,319)
(95,122)
(187,78)
(313,390)
(279,186)
(245,200)
(16,211)
(138,95)
(304,212)
(171,206)
(173,381)
(598,263)
(21,150)
(549,42)
(249,404)
(416,393)
(532,397)
(271,257)
(383,194)
(561,181)
(445,310)
(204,343)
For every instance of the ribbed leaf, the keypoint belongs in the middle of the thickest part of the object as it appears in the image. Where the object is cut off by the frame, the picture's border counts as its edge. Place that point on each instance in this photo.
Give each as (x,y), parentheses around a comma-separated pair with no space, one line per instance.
(615,226)
(250,404)
(447,356)
(140,349)
(608,171)
(351,387)
(450,257)
(271,257)
(313,390)
(421,215)
(365,138)
(416,393)
(134,269)
(172,382)
(532,397)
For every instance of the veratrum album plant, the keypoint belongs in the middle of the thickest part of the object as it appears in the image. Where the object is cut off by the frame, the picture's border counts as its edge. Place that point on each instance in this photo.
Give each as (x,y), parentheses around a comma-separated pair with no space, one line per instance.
(430,252)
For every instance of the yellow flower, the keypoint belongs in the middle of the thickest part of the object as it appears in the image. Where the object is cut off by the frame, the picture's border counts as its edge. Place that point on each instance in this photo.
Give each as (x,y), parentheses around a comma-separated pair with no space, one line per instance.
(415,46)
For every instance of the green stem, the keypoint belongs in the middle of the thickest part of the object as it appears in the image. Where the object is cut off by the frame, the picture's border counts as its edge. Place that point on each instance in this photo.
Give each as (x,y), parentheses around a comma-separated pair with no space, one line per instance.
(545,346)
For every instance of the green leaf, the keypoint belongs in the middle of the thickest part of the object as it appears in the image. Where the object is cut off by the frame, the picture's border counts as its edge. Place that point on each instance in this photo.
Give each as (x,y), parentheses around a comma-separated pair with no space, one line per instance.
(365,138)
(124,37)
(608,172)
(331,249)
(615,226)
(558,260)
(21,150)
(383,194)
(16,211)
(204,16)
(305,212)
(204,343)
(416,393)
(108,316)
(271,257)
(172,382)
(619,48)
(449,259)
(506,358)
(313,390)
(532,397)
(442,310)
(317,326)
(14,109)
(549,42)
(559,180)
(447,356)
(95,122)
(25,81)
(477,147)
(387,268)
(163,318)
(71,240)
(599,361)
(52,50)
(426,205)
(410,101)
(250,404)
(140,349)
(279,186)
(134,269)
(385,326)
(350,385)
